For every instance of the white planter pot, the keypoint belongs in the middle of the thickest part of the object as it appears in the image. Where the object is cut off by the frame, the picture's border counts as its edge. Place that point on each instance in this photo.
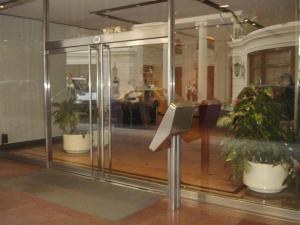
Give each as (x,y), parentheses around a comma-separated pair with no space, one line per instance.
(76,143)
(265,178)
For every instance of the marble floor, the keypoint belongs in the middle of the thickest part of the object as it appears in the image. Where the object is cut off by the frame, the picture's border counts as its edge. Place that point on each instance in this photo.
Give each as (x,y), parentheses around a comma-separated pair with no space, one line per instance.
(202,169)
(18,208)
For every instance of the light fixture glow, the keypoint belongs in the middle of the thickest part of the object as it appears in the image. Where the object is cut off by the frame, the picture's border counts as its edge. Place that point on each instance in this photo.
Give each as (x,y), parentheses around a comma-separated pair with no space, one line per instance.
(254,24)
(1,6)
(246,20)
(224,6)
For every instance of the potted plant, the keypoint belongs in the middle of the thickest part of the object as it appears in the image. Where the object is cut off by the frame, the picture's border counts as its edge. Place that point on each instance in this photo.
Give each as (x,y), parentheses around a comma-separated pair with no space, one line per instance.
(257,143)
(67,116)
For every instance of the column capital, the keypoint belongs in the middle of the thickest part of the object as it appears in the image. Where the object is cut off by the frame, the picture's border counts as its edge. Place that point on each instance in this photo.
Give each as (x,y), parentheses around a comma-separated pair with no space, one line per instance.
(201,23)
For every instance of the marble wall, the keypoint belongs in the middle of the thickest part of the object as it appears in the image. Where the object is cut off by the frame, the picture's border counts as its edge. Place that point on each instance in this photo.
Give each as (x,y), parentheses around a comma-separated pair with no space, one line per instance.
(21,75)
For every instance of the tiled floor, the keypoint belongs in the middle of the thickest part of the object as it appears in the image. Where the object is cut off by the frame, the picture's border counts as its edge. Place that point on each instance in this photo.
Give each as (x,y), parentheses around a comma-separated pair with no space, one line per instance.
(18,208)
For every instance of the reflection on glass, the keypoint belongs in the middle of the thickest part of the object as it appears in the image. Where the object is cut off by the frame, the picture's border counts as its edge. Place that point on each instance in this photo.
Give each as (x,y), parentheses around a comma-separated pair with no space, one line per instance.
(239,66)
(242,64)
(69,77)
(138,102)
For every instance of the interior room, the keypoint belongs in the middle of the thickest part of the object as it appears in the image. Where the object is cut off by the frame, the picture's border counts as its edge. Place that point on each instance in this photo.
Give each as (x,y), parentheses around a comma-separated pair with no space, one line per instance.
(236,62)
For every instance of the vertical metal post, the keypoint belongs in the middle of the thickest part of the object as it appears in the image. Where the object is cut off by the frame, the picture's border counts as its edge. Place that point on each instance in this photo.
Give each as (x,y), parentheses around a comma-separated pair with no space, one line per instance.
(47,102)
(297,73)
(101,166)
(177,139)
(98,108)
(109,109)
(90,106)
(171,68)
(174,151)
(174,173)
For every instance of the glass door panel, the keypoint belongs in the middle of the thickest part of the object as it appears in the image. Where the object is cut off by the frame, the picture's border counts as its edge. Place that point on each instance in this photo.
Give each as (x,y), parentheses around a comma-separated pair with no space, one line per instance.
(107,104)
(73,103)
(137,100)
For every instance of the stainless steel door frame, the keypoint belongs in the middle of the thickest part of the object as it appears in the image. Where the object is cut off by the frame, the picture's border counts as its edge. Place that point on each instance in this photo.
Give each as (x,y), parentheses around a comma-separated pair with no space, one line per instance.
(66,50)
(98,88)
(90,106)
(162,40)
(101,122)
(109,110)
(100,93)
(89,50)
(105,88)
(76,48)
(46,83)
(101,114)
(135,35)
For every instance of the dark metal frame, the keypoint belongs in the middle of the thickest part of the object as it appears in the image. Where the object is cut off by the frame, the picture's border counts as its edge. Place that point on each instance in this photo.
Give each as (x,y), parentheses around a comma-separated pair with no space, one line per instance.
(226,10)
(105,12)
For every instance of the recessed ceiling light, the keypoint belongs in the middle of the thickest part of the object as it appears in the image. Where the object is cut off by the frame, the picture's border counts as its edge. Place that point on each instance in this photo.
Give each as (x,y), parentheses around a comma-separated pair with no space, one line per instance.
(217,25)
(246,20)
(1,6)
(224,6)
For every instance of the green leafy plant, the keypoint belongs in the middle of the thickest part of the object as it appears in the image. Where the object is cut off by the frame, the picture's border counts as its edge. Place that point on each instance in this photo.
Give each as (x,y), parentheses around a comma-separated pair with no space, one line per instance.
(257,132)
(66,117)
(67,114)
(256,115)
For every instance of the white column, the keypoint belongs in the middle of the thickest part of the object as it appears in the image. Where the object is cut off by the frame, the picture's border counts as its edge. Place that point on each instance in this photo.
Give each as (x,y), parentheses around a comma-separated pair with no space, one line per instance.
(188,67)
(139,66)
(164,81)
(221,77)
(202,62)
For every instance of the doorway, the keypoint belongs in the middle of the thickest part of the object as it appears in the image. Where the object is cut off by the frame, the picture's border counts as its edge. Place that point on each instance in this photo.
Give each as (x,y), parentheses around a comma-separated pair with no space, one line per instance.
(116,111)
(178,81)
(210,82)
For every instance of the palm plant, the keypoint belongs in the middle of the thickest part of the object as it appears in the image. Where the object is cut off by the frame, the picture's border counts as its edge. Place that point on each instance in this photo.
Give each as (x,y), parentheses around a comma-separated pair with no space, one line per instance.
(67,113)
(66,117)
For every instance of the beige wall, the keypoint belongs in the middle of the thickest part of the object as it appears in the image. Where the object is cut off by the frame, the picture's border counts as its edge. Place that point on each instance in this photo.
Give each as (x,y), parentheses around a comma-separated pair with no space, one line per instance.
(21,76)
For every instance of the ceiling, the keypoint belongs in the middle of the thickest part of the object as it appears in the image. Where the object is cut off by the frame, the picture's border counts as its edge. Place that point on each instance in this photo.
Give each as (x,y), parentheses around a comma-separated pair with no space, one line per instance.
(78,12)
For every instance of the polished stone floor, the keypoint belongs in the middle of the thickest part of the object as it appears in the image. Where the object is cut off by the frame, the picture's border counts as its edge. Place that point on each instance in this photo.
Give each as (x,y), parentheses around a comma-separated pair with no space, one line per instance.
(203,170)
(19,208)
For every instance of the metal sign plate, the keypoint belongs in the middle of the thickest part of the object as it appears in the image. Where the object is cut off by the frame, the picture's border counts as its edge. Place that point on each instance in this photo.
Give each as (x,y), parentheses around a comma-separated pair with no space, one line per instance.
(177,120)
